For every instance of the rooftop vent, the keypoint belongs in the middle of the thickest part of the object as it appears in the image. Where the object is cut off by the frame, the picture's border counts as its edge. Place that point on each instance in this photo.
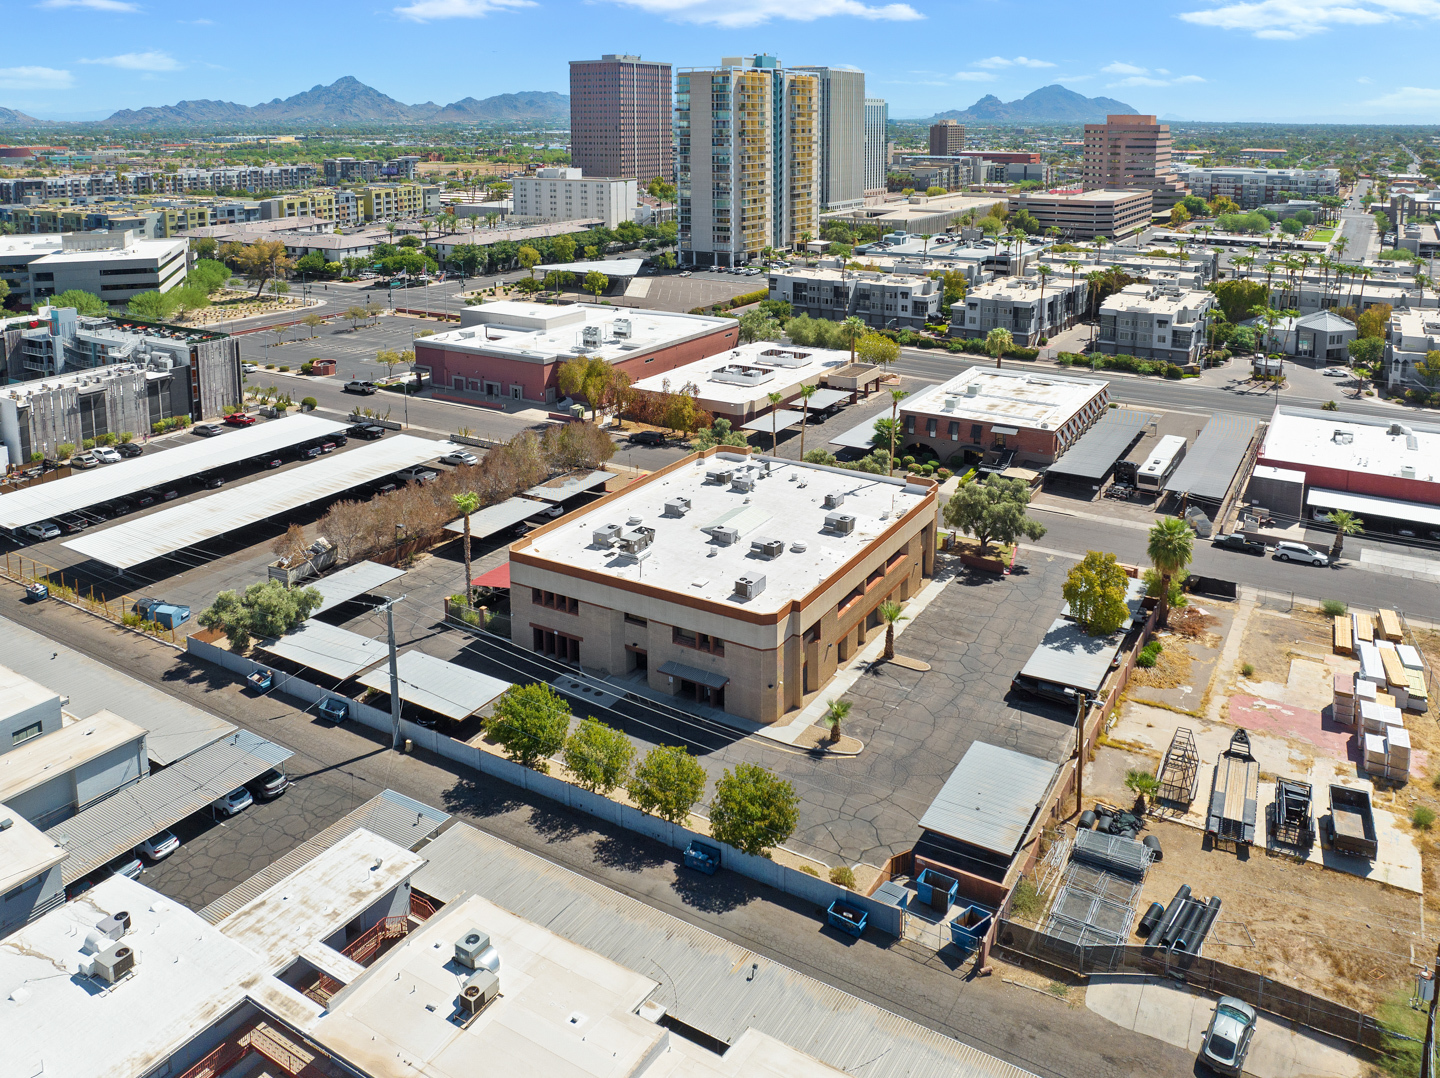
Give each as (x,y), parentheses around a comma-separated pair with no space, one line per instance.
(725,536)
(750,585)
(1398,428)
(479,992)
(605,536)
(767,548)
(677,507)
(972,390)
(1407,471)
(1342,437)
(798,547)
(633,521)
(835,499)
(951,402)
(839,523)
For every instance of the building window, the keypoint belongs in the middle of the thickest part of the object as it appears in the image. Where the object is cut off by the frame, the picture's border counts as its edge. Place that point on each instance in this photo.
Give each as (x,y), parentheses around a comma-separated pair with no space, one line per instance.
(562,603)
(25,733)
(931,427)
(634,620)
(699,641)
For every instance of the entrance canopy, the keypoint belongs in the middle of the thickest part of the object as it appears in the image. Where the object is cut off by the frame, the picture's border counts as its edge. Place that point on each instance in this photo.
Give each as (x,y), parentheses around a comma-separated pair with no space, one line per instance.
(498,577)
(693,673)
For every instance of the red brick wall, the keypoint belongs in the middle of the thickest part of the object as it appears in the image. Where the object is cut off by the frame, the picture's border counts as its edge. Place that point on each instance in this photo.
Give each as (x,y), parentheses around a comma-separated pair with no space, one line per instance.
(1353,482)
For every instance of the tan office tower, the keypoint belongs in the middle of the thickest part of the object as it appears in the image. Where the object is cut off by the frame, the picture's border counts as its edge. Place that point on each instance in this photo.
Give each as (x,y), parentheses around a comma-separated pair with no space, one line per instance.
(947,138)
(1132,151)
(747,159)
(842,137)
(620,118)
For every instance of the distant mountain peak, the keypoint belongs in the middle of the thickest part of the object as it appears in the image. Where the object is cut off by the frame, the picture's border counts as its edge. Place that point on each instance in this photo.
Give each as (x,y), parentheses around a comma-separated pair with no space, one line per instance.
(1050,104)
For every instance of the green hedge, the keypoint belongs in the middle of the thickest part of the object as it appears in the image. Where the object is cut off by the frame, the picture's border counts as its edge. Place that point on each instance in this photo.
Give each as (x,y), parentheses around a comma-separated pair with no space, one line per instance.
(742,300)
(975,346)
(1122,362)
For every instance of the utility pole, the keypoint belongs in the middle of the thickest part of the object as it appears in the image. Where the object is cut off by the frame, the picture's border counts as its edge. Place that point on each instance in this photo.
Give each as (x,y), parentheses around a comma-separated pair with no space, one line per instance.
(1081,702)
(389,608)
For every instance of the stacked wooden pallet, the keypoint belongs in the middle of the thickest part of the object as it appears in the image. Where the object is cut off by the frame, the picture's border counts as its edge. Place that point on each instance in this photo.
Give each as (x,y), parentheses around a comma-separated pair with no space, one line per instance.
(1342,709)
(1344,635)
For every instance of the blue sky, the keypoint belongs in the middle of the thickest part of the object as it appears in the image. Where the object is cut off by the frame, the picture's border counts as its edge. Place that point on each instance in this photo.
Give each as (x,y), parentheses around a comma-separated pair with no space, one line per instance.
(1298,60)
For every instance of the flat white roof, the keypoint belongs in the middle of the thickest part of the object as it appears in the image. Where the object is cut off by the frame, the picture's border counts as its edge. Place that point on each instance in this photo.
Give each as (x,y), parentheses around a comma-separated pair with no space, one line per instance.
(1365,505)
(611,267)
(1301,438)
(1016,398)
(740,379)
(786,506)
(50,755)
(541,333)
(443,687)
(564,487)
(19,693)
(187,975)
(155,468)
(25,852)
(153,536)
(320,898)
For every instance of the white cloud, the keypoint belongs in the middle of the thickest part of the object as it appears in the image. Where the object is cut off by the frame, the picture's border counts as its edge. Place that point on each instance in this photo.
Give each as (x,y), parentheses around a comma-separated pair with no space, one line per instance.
(1365,80)
(1143,76)
(1117,68)
(740,13)
(1287,20)
(34,78)
(139,61)
(425,10)
(973,76)
(93,5)
(1019,61)
(1408,99)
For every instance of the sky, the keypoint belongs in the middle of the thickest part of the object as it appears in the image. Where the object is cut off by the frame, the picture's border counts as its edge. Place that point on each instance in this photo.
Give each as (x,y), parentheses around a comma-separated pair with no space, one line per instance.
(1342,61)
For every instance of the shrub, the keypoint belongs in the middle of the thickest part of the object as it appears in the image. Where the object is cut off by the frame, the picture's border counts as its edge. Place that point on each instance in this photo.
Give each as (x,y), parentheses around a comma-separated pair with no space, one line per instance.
(284,370)
(307,366)
(87,444)
(1424,816)
(1330,406)
(1333,608)
(943,474)
(1028,902)
(65,450)
(269,366)
(263,610)
(530,722)
(810,870)
(1247,670)
(309,404)
(1150,654)
(843,876)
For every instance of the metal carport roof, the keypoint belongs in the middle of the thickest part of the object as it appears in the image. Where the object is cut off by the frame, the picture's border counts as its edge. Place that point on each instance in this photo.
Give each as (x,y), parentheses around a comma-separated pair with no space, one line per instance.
(782,418)
(359,579)
(117,480)
(122,546)
(1068,655)
(1096,451)
(128,817)
(990,798)
(336,652)
(442,687)
(497,517)
(1213,459)
(567,486)
(858,436)
(827,398)
(173,728)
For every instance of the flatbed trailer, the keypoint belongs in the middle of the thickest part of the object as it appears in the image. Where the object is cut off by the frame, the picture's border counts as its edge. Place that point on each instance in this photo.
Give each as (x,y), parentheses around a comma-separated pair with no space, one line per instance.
(1234,794)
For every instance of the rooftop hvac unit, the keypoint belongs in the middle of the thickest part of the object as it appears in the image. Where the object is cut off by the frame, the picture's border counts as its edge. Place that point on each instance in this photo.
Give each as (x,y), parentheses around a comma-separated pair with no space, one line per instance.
(479,992)
(1407,471)
(606,535)
(114,926)
(839,523)
(113,963)
(677,507)
(972,390)
(720,475)
(951,402)
(835,499)
(750,585)
(473,951)
(725,536)
(590,336)
(637,539)
(767,548)
(744,483)
(622,328)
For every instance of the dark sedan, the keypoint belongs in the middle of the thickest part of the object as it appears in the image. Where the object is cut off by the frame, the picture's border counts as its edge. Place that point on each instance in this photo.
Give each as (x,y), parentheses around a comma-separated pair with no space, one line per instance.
(1236,541)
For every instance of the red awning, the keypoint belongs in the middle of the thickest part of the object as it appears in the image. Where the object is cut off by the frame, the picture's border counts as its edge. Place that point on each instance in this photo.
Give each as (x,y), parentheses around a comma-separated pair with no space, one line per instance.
(498,577)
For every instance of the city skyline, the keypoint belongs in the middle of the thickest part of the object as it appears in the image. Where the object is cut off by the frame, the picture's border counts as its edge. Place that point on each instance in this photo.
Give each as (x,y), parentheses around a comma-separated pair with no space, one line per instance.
(1260,58)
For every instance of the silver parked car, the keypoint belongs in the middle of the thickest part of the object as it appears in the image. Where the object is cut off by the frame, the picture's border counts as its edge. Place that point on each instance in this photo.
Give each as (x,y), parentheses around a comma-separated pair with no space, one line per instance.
(1227,1039)
(1288,551)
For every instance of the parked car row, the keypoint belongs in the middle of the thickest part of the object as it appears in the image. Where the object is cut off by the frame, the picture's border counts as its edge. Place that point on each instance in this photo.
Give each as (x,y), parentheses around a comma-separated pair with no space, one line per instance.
(1286,550)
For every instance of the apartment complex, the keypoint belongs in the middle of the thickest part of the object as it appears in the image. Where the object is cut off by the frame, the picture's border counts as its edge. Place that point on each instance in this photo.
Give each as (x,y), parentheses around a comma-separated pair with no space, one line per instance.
(1251,188)
(392,201)
(947,138)
(738,583)
(842,137)
(1026,306)
(1099,212)
(1156,322)
(566,194)
(877,156)
(926,170)
(179,182)
(620,118)
(116,266)
(883,300)
(1132,152)
(748,165)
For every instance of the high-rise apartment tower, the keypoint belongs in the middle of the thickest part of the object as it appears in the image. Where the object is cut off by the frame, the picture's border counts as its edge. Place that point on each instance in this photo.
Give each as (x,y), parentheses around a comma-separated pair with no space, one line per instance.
(947,138)
(877,155)
(747,159)
(620,118)
(842,136)
(1132,151)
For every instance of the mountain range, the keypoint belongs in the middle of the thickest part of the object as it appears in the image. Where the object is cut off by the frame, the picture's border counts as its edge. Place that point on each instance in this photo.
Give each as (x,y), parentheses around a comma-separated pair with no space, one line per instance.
(346,101)
(1048,105)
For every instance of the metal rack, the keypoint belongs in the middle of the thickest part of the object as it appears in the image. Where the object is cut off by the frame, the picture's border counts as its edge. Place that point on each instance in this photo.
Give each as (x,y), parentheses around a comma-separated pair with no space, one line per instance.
(1180,772)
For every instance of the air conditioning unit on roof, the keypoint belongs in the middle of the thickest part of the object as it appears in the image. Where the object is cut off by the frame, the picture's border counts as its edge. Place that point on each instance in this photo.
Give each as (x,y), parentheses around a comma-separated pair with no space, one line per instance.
(744,483)
(835,499)
(839,523)
(767,548)
(606,536)
(750,585)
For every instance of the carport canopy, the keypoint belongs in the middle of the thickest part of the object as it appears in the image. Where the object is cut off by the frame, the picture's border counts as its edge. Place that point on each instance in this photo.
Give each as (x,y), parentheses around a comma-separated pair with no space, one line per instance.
(827,398)
(498,577)
(858,436)
(497,517)
(440,686)
(1096,451)
(567,486)
(337,653)
(358,579)
(778,420)
(1371,506)
(130,816)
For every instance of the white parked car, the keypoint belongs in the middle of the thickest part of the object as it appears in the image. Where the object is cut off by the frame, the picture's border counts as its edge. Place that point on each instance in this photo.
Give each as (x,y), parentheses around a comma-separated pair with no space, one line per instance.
(460,456)
(1288,551)
(158,847)
(237,800)
(42,530)
(106,455)
(249,368)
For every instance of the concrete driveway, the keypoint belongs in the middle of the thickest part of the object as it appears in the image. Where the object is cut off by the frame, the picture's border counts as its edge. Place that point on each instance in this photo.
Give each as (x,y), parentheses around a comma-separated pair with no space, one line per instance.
(1179,1015)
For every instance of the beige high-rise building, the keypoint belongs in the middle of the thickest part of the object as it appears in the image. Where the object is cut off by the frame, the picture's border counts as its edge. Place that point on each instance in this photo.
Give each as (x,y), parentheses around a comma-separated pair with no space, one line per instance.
(1132,151)
(747,164)
(947,138)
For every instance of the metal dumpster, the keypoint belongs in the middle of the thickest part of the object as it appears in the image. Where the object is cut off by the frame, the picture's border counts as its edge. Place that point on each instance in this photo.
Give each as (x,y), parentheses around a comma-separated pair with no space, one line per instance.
(971,925)
(847,918)
(170,615)
(702,857)
(936,890)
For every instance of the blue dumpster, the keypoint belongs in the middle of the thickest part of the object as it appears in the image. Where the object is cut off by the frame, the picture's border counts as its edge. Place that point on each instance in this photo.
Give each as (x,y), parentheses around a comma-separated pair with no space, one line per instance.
(936,890)
(847,918)
(260,680)
(36,592)
(702,857)
(971,925)
(170,615)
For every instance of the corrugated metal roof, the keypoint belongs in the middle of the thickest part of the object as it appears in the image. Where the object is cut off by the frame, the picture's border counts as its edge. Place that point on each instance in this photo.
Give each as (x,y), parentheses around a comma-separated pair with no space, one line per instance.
(336,652)
(782,418)
(157,467)
(715,986)
(443,687)
(1097,450)
(128,817)
(990,797)
(174,729)
(567,486)
(1068,655)
(393,816)
(1213,459)
(497,517)
(826,398)
(138,541)
(358,579)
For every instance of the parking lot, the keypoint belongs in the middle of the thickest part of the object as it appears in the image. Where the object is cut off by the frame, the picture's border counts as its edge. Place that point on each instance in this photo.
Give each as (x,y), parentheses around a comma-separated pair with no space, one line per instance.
(671,292)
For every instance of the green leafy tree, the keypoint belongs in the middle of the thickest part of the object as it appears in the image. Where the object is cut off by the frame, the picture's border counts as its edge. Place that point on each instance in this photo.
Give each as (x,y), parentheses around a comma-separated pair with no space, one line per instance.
(1345,523)
(187,298)
(152,306)
(1095,589)
(993,511)
(85,303)
(596,282)
(1428,369)
(753,809)
(529,258)
(759,326)
(1170,547)
(563,249)
(721,432)
(262,261)
(878,349)
(530,723)
(263,610)
(599,756)
(1237,298)
(667,783)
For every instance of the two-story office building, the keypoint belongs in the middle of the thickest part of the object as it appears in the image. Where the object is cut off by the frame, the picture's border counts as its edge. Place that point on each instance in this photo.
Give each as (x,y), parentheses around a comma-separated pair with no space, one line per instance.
(1156,322)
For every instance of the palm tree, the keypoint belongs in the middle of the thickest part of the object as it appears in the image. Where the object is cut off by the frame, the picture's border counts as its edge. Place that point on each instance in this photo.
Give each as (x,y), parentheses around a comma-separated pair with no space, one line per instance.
(835,713)
(1364,273)
(896,396)
(1169,551)
(891,612)
(996,343)
(925,247)
(774,399)
(852,329)
(1340,245)
(1345,523)
(467,503)
(806,392)
(1043,272)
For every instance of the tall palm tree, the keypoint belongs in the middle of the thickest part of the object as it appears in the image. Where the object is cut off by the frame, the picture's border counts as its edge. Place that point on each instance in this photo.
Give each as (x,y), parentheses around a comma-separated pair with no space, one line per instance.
(806,392)
(896,396)
(774,399)
(891,612)
(1364,273)
(1169,550)
(996,342)
(836,712)
(467,503)
(1345,523)
(925,245)
(1043,272)
(852,329)
(1340,245)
